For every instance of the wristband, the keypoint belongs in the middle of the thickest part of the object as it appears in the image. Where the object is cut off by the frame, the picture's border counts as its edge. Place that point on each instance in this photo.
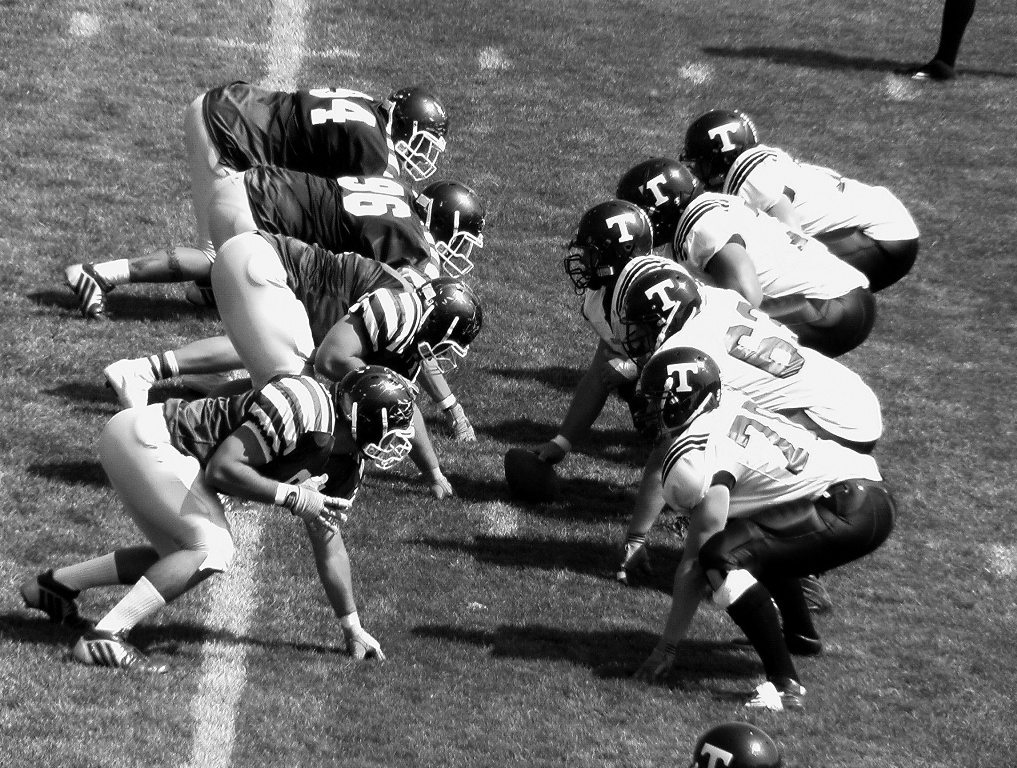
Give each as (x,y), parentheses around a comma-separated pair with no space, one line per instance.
(635,538)
(350,622)
(447,403)
(282,493)
(562,442)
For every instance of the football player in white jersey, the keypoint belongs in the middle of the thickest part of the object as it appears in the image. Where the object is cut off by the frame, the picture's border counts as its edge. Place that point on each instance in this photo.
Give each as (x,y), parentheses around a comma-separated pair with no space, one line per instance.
(791,277)
(661,307)
(866,226)
(169,462)
(769,502)
(609,235)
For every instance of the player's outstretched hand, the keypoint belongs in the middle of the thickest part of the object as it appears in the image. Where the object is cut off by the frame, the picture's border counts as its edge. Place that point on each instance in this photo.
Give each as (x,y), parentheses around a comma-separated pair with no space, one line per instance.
(658,664)
(551,452)
(441,488)
(309,504)
(360,645)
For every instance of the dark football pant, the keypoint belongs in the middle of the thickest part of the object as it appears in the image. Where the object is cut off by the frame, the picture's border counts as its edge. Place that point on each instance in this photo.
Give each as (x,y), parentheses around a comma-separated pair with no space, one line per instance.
(831,326)
(883,262)
(850,520)
(778,546)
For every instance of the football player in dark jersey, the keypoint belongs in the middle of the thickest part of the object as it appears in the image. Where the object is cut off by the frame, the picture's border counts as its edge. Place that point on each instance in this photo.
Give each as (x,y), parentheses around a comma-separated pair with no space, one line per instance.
(233,128)
(169,462)
(281,299)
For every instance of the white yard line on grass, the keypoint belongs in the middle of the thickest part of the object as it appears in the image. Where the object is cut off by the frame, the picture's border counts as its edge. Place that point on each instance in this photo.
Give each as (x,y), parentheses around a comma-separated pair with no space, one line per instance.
(232,594)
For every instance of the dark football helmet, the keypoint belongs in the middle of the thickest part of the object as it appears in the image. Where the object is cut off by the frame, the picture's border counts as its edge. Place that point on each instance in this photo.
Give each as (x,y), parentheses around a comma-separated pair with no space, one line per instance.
(419,128)
(609,235)
(714,141)
(679,384)
(452,319)
(454,214)
(654,306)
(735,745)
(663,188)
(378,403)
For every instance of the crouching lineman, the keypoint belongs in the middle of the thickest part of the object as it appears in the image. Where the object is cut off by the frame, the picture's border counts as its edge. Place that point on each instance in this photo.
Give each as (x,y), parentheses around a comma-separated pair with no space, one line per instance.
(168,463)
(769,502)
(238,126)
(790,276)
(866,226)
(661,307)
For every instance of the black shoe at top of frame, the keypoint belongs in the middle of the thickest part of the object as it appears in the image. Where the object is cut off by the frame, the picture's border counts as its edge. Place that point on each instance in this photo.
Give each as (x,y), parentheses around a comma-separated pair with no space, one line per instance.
(935,71)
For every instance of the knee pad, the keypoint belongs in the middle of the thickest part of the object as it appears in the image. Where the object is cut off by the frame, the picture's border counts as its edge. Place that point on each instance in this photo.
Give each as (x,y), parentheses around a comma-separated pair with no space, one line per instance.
(736,584)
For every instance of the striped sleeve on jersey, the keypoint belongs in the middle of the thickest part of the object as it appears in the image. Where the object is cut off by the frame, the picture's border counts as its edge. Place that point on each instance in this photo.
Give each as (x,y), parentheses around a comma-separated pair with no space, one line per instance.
(692,216)
(392,318)
(681,447)
(746,163)
(289,407)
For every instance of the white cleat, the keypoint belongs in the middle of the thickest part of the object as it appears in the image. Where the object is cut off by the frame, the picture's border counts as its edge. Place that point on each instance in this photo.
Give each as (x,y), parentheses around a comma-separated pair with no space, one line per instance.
(90,289)
(131,380)
(99,648)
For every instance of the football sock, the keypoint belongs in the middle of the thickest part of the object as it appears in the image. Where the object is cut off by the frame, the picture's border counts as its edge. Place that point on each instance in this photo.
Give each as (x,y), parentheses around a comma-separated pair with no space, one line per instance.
(956,15)
(164,365)
(141,602)
(756,616)
(787,594)
(97,572)
(116,272)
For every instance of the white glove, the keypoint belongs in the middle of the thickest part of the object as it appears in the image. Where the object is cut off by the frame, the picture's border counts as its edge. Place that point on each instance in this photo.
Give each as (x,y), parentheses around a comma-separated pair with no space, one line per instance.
(360,645)
(459,425)
(307,503)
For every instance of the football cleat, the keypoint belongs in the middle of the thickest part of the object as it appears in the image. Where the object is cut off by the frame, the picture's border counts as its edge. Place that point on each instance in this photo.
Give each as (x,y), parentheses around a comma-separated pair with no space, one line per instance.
(90,288)
(935,71)
(776,698)
(101,648)
(46,594)
(816,597)
(131,380)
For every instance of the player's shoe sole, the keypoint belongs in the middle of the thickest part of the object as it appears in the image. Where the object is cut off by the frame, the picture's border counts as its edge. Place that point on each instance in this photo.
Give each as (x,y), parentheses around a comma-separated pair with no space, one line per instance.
(90,289)
(131,380)
(45,594)
(99,648)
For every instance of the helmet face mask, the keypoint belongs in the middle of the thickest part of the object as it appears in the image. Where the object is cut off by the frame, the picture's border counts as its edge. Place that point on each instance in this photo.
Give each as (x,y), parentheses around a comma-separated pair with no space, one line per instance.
(378,404)
(714,141)
(455,216)
(452,319)
(609,235)
(419,127)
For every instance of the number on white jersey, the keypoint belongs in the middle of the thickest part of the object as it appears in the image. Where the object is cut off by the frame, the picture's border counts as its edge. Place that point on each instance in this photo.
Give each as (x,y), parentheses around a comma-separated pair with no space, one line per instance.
(744,425)
(758,342)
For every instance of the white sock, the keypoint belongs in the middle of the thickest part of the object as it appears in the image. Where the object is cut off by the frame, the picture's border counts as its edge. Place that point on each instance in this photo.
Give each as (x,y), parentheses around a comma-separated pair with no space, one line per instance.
(116,272)
(141,602)
(98,572)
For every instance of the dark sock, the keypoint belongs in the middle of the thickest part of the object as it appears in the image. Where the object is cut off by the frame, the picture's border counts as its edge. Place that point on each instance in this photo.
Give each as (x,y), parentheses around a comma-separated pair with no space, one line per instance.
(956,15)
(787,594)
(755,615)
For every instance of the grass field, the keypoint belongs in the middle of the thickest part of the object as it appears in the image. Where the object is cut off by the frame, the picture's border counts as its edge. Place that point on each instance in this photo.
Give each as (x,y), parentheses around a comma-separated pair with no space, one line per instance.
(509,643)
